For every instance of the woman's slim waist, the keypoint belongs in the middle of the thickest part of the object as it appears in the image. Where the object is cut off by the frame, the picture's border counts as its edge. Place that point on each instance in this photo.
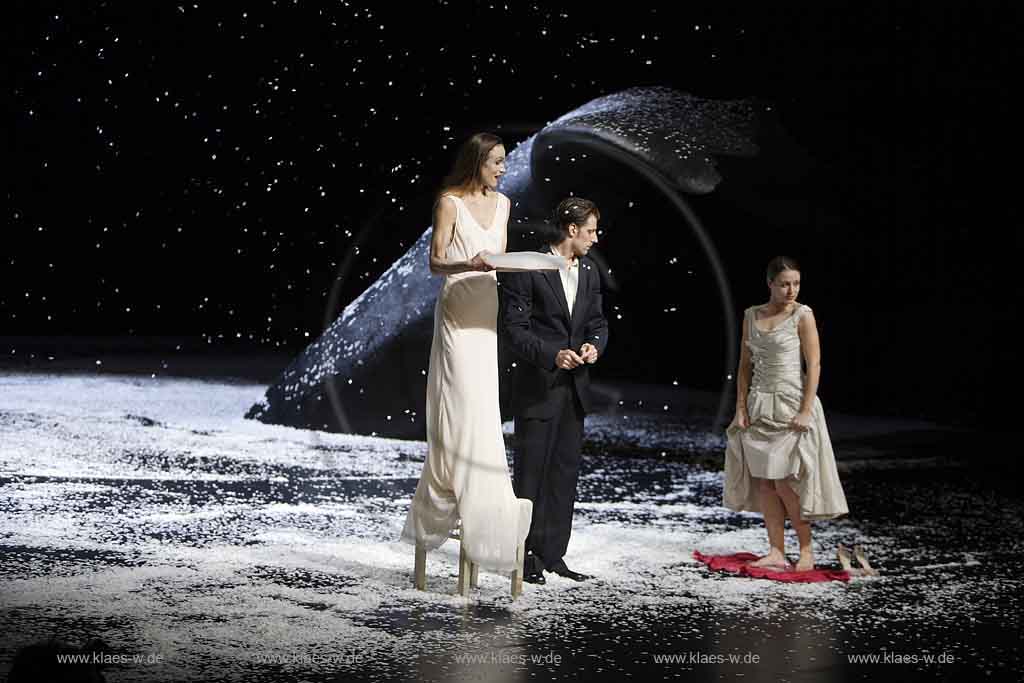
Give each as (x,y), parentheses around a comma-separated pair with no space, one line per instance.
(777,383)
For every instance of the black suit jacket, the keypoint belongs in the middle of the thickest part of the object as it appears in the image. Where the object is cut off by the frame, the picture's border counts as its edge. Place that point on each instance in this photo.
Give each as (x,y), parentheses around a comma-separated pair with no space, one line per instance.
(537,324)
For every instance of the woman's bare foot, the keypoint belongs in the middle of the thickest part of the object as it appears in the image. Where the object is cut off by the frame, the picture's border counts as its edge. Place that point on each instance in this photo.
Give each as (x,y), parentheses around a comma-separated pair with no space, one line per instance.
(806,561)
(774,560)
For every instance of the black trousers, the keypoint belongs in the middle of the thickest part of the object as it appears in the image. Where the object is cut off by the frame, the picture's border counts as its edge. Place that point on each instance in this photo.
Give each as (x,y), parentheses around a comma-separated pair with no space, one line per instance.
(545,469)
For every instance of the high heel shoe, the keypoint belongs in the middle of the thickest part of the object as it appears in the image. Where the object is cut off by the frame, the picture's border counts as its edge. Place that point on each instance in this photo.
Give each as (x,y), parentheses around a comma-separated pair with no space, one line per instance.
(843,553)
(862,560)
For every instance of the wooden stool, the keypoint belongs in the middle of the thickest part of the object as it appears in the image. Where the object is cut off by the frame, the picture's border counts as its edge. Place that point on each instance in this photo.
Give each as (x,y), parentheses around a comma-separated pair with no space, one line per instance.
(469,572)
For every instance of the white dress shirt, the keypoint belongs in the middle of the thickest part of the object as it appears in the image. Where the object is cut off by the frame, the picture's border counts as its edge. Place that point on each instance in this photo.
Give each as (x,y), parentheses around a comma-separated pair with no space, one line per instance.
(570,280)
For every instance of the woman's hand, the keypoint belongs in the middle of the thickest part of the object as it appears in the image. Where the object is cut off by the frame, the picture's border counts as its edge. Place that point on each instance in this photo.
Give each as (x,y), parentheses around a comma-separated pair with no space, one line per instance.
(479,264)
(801,422)
(742,419)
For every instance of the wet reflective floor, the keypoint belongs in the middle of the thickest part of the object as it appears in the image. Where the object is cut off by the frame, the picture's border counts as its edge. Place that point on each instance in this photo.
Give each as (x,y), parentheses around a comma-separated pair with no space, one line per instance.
(221,549)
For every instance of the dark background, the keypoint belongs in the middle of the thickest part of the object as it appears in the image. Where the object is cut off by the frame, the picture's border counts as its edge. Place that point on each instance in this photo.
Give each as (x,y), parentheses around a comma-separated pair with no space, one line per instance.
(201,170)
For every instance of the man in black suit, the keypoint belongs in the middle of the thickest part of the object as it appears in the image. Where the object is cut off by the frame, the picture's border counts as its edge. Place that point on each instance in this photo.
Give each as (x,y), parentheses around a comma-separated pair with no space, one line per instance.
(554,322)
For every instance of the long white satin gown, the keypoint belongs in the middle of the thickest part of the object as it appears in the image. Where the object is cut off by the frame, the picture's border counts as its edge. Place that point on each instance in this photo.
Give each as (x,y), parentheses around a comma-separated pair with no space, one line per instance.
(465,475)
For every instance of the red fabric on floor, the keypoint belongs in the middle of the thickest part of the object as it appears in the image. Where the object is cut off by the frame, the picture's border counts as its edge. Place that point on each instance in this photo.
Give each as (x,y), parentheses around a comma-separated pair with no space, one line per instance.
(739,563)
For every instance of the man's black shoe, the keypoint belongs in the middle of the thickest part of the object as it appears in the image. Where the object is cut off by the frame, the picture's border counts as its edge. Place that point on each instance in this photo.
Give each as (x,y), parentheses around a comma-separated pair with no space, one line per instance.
(570,574)
(535,577)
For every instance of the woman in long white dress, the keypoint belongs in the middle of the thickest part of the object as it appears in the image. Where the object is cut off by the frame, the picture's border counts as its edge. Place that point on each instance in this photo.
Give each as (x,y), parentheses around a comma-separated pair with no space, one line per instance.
(779,459)
(465,476)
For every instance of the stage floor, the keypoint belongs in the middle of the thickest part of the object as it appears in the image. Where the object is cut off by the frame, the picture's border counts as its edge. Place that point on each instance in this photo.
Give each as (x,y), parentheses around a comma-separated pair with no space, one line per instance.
(149,513)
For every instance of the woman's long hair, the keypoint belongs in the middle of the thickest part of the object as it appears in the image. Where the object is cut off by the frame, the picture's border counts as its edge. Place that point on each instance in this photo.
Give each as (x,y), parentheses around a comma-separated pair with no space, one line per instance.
(465,174)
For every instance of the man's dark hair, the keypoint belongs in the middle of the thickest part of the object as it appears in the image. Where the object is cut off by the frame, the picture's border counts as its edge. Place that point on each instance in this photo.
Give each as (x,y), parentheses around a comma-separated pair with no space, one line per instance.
(572,211)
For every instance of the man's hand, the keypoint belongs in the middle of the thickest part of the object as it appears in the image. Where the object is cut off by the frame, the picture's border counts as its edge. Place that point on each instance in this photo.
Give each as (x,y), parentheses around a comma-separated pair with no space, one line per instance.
(567,359)
(588,352)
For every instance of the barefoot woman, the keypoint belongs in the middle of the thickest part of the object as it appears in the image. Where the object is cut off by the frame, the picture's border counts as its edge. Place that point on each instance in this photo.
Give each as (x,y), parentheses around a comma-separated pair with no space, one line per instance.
(779,458)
